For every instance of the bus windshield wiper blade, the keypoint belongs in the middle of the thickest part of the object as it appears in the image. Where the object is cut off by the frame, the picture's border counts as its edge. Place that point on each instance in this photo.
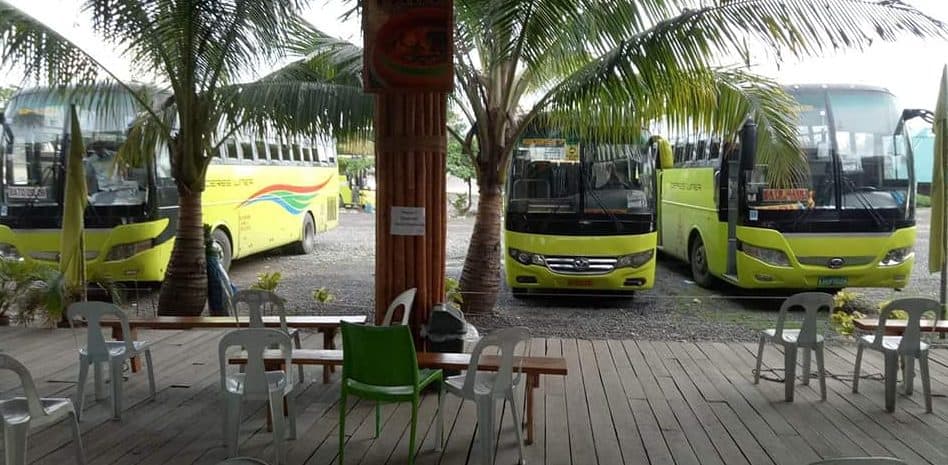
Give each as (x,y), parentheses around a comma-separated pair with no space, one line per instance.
(867,204)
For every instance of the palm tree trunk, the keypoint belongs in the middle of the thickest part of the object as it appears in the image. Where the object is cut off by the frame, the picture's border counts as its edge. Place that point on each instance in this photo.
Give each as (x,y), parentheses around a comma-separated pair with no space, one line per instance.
(480,278)
(184,290)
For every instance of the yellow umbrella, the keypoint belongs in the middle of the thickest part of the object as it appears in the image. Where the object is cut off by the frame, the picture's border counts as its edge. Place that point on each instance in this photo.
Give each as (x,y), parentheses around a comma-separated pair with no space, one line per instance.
(72,260)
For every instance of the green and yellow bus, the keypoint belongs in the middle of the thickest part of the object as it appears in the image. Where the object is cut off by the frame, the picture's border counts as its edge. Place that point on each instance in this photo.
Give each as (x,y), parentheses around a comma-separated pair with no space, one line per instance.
(845,218)
(263,191)
(579,217)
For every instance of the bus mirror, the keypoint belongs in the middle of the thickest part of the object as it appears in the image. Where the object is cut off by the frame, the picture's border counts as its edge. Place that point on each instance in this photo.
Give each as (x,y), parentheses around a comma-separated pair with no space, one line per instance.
(748,145)
(666,159)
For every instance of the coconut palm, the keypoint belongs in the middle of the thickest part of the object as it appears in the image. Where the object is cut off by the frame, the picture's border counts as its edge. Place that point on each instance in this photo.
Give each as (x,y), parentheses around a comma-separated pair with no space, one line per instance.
(202,52)
(606,69)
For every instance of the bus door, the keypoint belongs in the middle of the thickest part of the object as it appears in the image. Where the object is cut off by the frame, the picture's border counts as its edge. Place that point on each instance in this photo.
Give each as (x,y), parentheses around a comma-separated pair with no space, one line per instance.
(738,174)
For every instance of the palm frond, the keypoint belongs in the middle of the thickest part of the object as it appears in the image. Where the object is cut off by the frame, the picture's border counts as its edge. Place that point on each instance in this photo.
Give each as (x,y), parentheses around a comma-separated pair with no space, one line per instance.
(42,53)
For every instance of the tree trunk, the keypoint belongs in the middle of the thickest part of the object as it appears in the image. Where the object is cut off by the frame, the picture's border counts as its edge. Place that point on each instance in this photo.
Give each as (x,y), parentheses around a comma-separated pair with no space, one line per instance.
(470,196)
(184,290)
(480,278)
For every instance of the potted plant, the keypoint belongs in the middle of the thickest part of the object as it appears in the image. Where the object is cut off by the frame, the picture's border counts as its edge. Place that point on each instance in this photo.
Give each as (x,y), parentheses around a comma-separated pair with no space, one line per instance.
(17,282)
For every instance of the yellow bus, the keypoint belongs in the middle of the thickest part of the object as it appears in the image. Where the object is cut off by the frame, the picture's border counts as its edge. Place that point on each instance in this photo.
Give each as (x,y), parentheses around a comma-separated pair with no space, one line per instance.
(263,191)
(845,218)
(579,217)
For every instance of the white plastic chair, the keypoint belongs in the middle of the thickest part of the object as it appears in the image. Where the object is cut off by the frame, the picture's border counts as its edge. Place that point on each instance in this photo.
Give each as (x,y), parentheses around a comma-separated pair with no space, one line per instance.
(405,299)
(255,383)
(257,302)
(792,339)
(908,347)
(487,387)
(860,461)
(114,353)
(20,414)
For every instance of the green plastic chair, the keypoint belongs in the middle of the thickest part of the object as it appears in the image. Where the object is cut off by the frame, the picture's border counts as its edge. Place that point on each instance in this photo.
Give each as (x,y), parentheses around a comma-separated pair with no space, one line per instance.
(380,364)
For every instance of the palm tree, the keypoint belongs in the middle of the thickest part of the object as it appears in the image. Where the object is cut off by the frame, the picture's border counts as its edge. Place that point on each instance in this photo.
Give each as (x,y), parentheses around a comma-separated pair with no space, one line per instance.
(608,69)
(200,50)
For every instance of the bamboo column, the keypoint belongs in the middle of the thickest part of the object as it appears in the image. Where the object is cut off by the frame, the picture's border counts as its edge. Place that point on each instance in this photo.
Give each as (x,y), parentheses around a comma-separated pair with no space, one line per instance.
(410,150)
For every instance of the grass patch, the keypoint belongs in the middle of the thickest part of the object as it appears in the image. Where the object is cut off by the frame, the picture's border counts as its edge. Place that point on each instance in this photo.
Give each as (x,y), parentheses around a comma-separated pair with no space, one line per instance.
(923,201)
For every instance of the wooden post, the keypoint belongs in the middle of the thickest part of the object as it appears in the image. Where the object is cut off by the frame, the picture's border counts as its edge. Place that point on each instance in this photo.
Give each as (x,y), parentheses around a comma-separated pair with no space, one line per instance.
(409,67)
(410,151)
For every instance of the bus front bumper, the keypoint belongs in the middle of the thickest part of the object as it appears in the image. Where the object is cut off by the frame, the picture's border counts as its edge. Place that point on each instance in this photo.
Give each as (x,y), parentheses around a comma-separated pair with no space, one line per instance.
(757,274)
(146,263)
(529,277)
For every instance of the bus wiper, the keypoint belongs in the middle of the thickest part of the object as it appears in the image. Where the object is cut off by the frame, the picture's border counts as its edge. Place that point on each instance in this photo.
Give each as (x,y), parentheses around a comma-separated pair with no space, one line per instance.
(867,204)
(602,206)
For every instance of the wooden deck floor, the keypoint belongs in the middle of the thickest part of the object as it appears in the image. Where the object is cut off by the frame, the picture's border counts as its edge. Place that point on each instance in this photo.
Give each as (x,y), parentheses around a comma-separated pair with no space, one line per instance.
(632,402)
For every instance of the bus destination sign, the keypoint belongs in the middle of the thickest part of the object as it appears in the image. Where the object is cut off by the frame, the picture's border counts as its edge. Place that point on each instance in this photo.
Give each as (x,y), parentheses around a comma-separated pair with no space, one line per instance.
(27,192)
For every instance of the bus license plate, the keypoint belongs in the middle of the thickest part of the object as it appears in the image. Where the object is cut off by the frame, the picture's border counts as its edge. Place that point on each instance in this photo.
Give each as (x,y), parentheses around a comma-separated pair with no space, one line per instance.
(832,281)
(579,282)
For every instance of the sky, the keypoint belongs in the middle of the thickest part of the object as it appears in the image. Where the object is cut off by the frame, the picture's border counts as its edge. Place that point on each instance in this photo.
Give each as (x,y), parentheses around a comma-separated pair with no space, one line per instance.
(910,68)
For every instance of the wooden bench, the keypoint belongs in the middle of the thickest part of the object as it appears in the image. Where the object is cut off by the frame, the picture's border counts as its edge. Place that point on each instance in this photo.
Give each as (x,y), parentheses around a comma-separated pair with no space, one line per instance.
(327,325)
(532,368)
(897,327)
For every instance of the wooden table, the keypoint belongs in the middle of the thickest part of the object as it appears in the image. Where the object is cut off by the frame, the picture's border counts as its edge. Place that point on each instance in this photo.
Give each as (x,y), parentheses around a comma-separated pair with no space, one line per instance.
(532,368)
(897,327)
(327,325)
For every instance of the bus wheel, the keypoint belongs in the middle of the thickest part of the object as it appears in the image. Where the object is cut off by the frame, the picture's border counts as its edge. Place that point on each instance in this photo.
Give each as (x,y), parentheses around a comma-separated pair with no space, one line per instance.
(342,202)
(227,251)
(699,264)
(307,244)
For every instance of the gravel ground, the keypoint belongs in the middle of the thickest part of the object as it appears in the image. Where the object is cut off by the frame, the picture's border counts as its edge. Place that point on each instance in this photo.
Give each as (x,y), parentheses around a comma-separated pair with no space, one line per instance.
(676,309)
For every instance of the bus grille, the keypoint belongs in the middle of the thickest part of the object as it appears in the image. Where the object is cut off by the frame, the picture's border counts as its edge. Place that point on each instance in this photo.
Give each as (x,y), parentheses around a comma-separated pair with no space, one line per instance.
(846,261)
(581,265)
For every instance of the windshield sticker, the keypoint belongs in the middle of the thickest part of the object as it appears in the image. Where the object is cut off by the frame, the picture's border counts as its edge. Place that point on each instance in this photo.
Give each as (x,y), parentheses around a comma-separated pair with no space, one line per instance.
(27,192)
(753,215)
(786,195)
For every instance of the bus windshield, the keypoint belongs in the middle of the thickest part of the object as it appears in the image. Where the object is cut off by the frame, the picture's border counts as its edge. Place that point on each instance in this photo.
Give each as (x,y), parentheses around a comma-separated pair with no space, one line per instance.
(36,134)
(855,159)
(552,180)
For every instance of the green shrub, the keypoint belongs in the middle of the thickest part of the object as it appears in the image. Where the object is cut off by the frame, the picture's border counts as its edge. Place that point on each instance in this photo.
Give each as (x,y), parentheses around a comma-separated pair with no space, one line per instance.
(923,201)
(267,281)
(460,204)
(842,322)
(322,295)
(452,291)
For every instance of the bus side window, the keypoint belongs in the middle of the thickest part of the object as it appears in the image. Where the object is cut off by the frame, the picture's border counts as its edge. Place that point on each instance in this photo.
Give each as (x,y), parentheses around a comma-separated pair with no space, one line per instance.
(307,155)
(701,150)
(261,149)
(297,154)
(246,150)
(231,150)
(163,162)
(275,153)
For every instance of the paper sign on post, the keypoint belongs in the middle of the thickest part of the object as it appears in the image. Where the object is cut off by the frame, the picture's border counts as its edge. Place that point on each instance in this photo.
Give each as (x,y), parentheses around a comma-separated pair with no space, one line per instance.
(408,221)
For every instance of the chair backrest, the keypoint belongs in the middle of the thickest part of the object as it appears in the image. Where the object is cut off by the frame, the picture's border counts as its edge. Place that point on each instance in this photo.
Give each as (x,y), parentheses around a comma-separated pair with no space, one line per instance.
(405,299)
(861,461)
(811,303)
(254,341)
(7,362)
(379,355)
(506,340)
(916,307)
(258,303)
(92,313)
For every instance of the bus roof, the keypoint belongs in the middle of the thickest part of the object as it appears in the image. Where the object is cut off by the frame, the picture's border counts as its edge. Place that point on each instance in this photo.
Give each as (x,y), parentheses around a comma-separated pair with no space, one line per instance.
(861,87)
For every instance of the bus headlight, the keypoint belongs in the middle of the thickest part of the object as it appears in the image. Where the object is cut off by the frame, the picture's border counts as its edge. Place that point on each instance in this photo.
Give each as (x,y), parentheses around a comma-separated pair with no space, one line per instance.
(770,256)
(9,252)
(635,260)
(896,256)
(123,251)
(527,258)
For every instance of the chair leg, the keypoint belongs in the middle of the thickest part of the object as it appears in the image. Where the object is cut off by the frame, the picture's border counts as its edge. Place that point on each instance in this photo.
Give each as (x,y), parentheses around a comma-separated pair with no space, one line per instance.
(77,438)
(790,371)
(291,414)
(342,426)
(760,357)
(116,380)
(279,426)
(891,373)
(485,429)
(856,366)
(806,366)
(413,430)
(299,345)
(821,370)
(231,424)
(908,374)
(378,419)
(926,381)
(518,427)
(99,380)
(81,387)
(15,443)
(151,374)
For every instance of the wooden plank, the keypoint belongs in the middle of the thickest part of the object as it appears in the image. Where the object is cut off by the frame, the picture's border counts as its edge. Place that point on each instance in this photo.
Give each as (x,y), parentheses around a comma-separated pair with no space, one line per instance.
(206,322)
(897,327)
(645,420)
(630,443)
(600,413)
(581,441)
(558,444)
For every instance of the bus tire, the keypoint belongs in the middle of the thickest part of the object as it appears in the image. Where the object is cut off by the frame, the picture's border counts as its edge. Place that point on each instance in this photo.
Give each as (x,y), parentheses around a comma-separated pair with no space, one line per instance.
(342,202)
(227,249)
(698,257)
(307,244)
